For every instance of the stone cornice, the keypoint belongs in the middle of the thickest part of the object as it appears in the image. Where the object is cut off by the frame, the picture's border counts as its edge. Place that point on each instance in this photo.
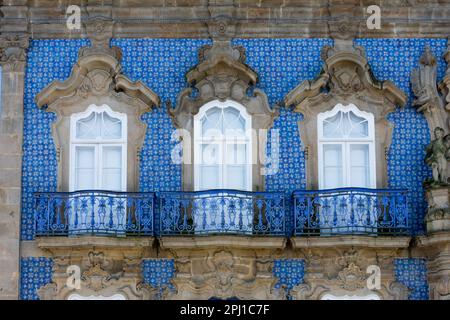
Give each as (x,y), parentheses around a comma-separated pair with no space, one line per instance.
(192,18)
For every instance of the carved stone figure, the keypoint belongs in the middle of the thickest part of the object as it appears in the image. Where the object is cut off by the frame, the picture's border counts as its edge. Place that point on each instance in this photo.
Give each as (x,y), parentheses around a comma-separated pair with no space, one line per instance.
(438,157)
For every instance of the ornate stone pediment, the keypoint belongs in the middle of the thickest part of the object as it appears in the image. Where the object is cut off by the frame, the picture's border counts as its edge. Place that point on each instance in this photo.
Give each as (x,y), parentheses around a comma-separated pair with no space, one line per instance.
(220,75)
(345,78)
(97,72)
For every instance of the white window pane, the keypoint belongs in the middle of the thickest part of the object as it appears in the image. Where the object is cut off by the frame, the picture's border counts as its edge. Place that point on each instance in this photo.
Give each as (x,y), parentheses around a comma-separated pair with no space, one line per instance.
(236,153)
(88,127)
(359,127)
(332,126)
(112,168)
(111,127)
(112,157)
(359,165)
(84,168)
(210,154)
(211,122)
(236,177)
(209,177)
(332,161)
(233,120)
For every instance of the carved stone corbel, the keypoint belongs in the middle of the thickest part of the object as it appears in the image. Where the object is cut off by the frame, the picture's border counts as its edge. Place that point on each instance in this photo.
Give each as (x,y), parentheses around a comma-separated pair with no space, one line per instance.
(97,79)
(345,78)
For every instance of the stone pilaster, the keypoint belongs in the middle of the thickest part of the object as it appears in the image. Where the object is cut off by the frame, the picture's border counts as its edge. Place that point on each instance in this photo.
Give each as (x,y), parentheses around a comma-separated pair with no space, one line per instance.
(13,59)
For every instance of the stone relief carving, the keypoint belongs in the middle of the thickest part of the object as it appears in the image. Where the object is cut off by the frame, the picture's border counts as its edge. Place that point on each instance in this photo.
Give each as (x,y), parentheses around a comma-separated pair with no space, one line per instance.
(224,274)
(222,74)
(428,99)
(101,276)
(97,79)
(13,49)
(345,276)
(345,78)
(438,157)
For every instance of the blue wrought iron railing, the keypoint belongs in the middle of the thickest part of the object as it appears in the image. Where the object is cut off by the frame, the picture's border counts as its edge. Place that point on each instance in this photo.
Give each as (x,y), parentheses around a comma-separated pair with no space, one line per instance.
(94,212)
(222,212)
(351,211)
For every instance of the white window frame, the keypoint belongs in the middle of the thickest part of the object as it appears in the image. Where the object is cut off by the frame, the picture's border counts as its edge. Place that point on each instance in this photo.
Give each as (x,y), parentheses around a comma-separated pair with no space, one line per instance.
(345,143)
(98,144)
(199,140)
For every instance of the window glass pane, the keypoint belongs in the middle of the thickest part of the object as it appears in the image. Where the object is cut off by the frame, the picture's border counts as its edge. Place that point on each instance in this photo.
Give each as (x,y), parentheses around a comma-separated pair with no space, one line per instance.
(210,154)
(332,126)
(209,177)
(332,162)
(111,127)
(112,168)
(88,128)
(211,122)
(233,121)
(358,127)
(236,153)
(359,165)
(84,168)
(236,177)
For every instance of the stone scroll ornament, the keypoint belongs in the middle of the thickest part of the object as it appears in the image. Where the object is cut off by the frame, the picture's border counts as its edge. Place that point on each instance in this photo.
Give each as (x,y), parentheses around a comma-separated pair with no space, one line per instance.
(432,103)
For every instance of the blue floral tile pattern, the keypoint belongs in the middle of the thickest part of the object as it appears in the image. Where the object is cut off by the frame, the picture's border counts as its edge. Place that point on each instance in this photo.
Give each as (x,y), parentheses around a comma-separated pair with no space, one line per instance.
(394,59)
(48,60)
(413,274)
(290,272)
(281,64)
(158,273)
(34,273)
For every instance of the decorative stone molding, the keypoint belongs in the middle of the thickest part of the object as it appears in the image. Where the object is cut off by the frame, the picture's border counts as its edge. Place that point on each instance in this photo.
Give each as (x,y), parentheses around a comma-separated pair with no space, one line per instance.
(103,274)
(97,79)
(445,84)
(425,88)
(438,214)
(13,49)
(436,247)
(223,267)
(220,75)
(345,78)
(342,273)
(224,274)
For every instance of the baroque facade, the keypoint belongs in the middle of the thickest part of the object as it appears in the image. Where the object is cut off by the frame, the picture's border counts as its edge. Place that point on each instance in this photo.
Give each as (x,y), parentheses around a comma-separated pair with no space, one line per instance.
(334,183)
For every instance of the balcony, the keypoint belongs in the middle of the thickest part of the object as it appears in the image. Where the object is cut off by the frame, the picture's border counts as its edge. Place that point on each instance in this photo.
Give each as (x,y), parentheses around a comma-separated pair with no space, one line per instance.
(222,212)
(346,211)
(94,213)
(351,211)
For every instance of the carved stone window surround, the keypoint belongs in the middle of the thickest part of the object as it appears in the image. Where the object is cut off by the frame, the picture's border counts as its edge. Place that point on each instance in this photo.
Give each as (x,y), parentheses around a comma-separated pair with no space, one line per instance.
(345,79)
(97,79)
(222,75)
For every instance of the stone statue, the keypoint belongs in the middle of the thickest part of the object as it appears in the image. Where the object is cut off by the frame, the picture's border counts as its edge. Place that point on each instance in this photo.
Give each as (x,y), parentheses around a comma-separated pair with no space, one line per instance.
(438,156)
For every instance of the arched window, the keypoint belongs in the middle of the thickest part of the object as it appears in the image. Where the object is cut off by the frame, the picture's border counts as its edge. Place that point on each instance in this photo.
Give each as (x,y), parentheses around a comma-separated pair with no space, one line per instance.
(222,147)
(346,148)
(98,150)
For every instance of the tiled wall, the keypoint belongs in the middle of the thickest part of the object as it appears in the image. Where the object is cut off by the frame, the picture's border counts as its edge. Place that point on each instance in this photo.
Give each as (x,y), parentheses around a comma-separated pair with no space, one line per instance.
(158,273)
(290,272)
(281,65)
(413,274)
(394,59)
(34,273)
